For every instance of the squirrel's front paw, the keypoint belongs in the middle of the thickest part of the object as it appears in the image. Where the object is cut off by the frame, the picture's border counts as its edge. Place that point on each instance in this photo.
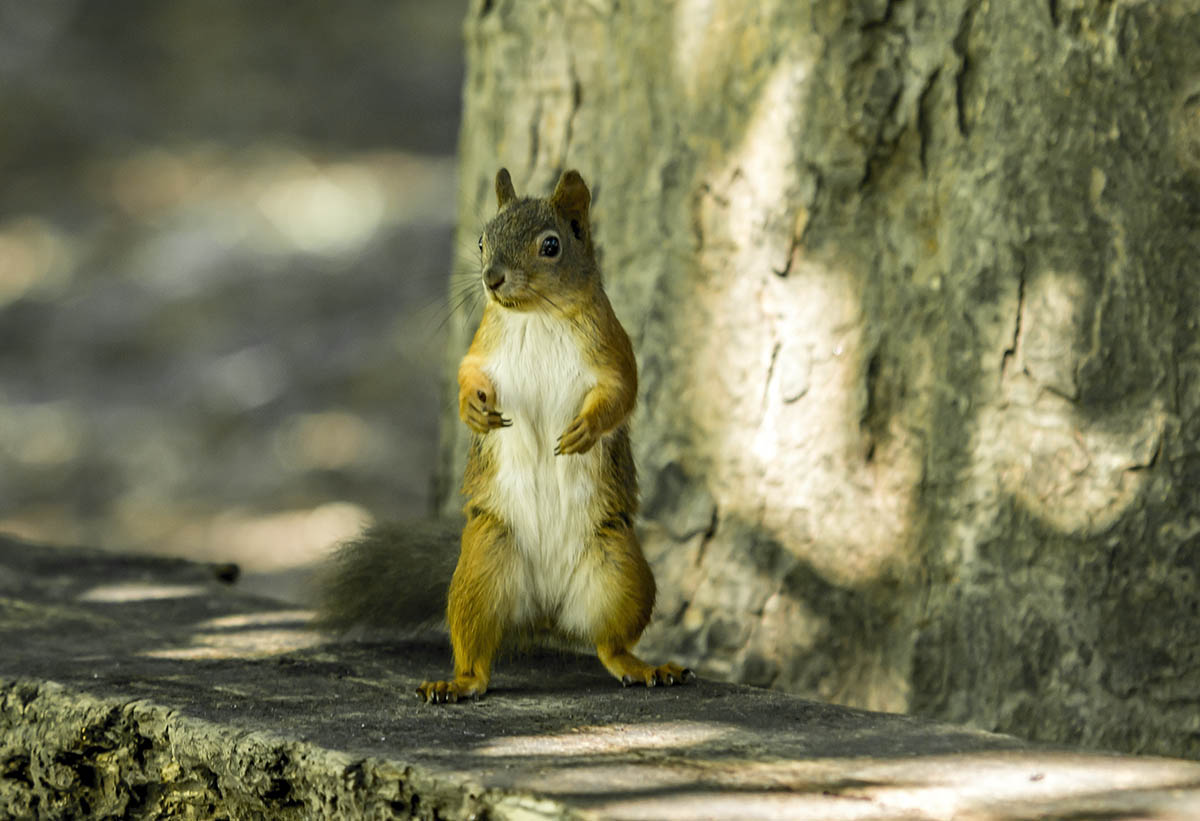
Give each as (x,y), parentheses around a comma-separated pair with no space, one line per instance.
(579,437)
(477,406)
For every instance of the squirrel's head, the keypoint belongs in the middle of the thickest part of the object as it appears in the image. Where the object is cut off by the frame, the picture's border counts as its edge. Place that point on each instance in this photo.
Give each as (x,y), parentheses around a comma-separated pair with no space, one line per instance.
(537,253)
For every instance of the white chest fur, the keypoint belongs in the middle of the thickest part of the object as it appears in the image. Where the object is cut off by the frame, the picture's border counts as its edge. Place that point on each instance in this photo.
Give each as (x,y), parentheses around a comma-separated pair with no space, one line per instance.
(541,380)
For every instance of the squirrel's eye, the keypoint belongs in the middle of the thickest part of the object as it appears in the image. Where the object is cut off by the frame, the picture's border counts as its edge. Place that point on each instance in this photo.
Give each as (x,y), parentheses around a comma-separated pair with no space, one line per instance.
(481,243)
(549,247)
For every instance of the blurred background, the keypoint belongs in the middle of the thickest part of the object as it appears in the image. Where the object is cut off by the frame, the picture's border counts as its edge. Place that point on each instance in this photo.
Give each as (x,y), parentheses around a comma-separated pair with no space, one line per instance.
(225,243)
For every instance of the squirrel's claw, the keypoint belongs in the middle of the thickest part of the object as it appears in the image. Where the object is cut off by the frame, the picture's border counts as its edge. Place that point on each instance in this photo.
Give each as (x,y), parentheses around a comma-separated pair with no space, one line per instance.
(578,438)
(483,419)
(477,404)
(667,675)
(449,692)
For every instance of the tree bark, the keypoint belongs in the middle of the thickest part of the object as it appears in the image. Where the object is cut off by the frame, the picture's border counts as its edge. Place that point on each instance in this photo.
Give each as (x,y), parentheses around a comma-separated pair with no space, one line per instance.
(913,288)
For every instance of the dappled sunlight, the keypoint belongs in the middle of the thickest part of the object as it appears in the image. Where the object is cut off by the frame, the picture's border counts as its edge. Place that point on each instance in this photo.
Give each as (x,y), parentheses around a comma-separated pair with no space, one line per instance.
(49,523)
(708,33)
(257,541)
(281,200)
(945,785)
(36,259)
(241,381)
(324,210)
(290,538)
(696,33)
(784,363)
(246,636)
(326,440)
(266,618)
(998,785)
(779,394)
(1075,471)
(248,644)
(41,435)
(127,592)
(842,498)
(608,738)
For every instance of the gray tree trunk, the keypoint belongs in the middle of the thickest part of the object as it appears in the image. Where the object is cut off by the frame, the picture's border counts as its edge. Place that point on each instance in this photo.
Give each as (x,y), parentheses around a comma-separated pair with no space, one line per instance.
(914,291)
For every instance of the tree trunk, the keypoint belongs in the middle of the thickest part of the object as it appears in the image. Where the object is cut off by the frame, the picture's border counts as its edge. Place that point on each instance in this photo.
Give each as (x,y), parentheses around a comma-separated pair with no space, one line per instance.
(913,288)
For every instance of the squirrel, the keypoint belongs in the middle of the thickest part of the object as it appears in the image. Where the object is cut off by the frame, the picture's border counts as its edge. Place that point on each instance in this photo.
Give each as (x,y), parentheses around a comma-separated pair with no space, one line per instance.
(548,547)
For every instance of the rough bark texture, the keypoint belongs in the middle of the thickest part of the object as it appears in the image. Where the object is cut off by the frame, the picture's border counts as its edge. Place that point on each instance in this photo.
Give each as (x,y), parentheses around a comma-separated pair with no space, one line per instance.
(913,288)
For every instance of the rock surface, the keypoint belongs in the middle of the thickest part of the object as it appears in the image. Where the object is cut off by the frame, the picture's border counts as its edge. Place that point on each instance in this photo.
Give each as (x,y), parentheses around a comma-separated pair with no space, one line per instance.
(149,688)
(913,288)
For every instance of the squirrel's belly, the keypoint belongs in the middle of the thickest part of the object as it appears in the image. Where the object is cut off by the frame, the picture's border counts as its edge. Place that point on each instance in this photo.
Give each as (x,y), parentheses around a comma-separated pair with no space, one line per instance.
(548,501)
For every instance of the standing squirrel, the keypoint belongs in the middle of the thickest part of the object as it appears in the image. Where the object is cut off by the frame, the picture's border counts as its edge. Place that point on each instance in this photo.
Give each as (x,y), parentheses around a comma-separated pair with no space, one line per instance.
(548,546)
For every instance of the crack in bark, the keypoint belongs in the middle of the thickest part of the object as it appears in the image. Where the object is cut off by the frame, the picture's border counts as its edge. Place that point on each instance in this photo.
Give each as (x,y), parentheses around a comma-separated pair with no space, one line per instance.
(1153,460)
(880,62)
(708,536)
(959,44)
(1011,351)
(576,101)
(800,238)
(871,422)
(534,136)
(770,375)
(883,146)
(1176,387)
(787,263)
(1044,389)
(924,132)
(883,20)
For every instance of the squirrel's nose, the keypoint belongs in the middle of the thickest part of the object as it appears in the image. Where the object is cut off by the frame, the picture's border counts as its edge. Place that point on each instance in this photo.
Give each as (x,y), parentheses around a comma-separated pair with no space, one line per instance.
(493,277)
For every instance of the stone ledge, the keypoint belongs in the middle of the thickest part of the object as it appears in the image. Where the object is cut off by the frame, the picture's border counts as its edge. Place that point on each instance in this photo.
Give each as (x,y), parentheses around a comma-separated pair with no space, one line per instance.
(148,688)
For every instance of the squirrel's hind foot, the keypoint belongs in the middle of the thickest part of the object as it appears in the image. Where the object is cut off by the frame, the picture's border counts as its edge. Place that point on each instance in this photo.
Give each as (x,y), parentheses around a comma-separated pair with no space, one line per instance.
(665,674)
(443,692)
(629,669)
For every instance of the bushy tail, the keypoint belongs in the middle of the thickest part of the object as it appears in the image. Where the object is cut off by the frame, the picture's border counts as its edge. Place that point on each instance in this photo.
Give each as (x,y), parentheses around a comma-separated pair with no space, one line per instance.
(393,575)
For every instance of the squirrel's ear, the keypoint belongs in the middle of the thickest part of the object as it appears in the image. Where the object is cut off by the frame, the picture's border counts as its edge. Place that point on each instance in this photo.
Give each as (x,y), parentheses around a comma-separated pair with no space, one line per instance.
(505,193)
(571,199)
